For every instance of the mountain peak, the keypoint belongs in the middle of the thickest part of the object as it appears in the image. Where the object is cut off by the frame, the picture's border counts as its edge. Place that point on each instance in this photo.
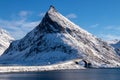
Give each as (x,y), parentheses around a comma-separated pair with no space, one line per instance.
(52,8)
(57,39)
(51,22)
(55,22)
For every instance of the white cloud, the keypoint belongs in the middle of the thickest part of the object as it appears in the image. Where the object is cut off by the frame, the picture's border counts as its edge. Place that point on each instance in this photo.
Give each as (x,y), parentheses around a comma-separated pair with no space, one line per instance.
(94,25)
(19,28)
(112,32)
(71,16)
(113,27)
(109,36)
(19,25)
(41,14)
(24,13)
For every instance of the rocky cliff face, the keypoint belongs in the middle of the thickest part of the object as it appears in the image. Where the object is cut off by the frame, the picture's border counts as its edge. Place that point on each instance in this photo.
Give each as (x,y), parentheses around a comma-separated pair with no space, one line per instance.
(57,39)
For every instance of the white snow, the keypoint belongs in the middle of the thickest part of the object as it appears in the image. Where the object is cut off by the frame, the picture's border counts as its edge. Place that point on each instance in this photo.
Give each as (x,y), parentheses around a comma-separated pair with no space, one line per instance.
(60,66)
(113,41)
(116,45)
(5,40)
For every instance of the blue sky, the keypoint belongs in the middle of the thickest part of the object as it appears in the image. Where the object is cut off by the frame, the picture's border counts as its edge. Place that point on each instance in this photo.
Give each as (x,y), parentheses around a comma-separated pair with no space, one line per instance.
(99,17)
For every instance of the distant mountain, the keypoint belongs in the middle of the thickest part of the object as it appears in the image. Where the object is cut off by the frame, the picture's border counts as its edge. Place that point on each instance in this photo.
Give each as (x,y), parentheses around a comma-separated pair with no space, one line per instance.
(56,39)
(5,40)
(116,45)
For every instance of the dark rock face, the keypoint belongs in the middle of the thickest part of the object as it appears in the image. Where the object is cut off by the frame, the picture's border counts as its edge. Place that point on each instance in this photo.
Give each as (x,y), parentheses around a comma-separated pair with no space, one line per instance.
(50,26)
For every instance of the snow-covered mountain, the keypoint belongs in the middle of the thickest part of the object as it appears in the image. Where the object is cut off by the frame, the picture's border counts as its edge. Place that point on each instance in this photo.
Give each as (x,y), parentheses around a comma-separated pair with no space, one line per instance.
(5,40)
(116,45)
(57,39)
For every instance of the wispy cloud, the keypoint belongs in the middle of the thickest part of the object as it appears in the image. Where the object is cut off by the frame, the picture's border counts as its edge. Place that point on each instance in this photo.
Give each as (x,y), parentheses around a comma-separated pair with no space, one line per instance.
(94,25)
(71,16)
(113,27)
(109,36)
(20,26)
(24,13)
(41,14)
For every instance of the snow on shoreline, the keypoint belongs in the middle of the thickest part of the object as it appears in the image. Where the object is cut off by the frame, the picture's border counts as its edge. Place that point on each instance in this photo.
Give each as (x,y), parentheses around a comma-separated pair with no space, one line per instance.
(63,66)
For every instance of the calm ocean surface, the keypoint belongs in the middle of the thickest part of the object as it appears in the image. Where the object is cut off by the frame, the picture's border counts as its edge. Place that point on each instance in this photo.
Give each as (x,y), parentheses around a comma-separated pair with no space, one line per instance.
(88,74)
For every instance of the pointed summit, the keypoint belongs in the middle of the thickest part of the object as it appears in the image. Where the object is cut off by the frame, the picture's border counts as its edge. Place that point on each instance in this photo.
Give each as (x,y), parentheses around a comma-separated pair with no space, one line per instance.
(51,22)
(54,22)
(52,8)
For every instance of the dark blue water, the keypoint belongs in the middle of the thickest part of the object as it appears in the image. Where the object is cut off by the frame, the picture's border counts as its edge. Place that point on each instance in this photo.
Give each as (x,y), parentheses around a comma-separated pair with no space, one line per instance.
(88,74)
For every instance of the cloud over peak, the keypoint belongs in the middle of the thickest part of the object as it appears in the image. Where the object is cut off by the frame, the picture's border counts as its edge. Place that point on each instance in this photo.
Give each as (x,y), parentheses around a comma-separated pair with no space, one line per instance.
(71,16)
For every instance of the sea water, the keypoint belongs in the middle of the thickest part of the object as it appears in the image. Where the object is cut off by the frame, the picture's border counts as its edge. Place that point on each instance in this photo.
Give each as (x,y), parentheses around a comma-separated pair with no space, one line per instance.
(87,74)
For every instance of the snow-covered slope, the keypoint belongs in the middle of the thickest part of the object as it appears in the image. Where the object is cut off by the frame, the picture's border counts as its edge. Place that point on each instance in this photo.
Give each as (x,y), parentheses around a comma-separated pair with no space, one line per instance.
(57,39)
(60,66)
(5,40)
(116,45)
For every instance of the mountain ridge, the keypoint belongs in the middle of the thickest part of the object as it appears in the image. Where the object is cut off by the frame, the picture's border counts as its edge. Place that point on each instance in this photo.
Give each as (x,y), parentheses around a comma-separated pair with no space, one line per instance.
(56,39)
(116,45)
(5,40)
